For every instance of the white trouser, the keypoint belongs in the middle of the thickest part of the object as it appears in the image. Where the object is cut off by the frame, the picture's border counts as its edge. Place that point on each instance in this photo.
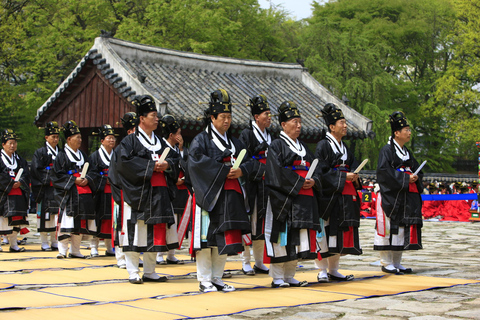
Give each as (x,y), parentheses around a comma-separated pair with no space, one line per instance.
(120,256)
(332,263)
(391,258)
(283,270)
(132,259)
(257,248)
(12,240)
(210,264)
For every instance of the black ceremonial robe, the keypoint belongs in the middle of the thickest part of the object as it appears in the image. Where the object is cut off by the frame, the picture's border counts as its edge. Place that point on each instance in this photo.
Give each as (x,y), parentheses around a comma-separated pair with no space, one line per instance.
(340,203)
(102,195)
(77,201)
(132,169)
(400,200)
(293,209)
(14,202)
(41,171)
(257,190)
(208,167)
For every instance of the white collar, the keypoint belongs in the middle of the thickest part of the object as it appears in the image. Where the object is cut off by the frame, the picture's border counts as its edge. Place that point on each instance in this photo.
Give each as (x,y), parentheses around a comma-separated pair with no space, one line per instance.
(337,147)
(261,136)
(51,151)
(295,146)
(221,145)
(10,162)
(74,156)
(174,147)
(151,143)
(104,155)
(223,136)
(402,153)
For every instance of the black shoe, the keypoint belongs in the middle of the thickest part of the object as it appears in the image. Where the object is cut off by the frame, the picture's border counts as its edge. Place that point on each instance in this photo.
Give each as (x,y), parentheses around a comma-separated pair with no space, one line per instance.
(204,288)
(46,249)
(61,256)
(300,284)
(136,281)
(78,257)
(226,275)
(406,270)
(281,285)
(394,271)
(224,288)
(346,278)
(174,261)
(248,273)
(110,254)
(54,248)
(22,249)
(259,270)
(161,279)
(22,242)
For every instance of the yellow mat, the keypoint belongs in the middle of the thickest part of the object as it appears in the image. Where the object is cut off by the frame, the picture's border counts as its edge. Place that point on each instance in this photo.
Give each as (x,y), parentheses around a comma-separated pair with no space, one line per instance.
(168,300)
(59,277)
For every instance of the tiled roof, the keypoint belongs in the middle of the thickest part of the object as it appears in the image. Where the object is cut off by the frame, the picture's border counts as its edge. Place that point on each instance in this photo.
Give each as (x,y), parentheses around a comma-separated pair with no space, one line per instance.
(182,80)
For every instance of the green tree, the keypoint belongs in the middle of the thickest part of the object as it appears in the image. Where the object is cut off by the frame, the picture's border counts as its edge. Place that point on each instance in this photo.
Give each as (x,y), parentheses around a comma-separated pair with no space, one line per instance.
(385,56)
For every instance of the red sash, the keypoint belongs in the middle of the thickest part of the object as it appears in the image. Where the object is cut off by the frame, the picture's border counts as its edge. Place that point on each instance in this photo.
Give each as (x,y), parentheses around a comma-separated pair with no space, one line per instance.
(107,189)
(349,189)
(182,186)
(303,173)
(412,187)
(82,190)
(16,191)
(264,159)
(158,179)
(232,184)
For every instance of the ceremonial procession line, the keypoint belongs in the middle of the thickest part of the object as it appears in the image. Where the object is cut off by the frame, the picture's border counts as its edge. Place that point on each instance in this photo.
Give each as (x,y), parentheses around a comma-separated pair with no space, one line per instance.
(35,285)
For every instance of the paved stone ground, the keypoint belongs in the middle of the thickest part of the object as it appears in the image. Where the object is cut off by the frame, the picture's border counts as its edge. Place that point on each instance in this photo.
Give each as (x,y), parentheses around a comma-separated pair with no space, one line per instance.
(451,250)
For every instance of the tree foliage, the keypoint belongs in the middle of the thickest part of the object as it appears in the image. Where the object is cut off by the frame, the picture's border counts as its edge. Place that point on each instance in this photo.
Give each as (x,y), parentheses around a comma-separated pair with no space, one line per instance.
(386,55)
(419,56)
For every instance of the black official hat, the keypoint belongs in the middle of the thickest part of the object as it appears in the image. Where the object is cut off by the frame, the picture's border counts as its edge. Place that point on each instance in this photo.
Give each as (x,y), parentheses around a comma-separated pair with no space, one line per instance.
(51,128)
(258,104)
(219,102)
(169,124)
(129,120)
(106,130)
(70,128)
(331,114)
(8,134)
(287,110)
(144,105)
(398,121)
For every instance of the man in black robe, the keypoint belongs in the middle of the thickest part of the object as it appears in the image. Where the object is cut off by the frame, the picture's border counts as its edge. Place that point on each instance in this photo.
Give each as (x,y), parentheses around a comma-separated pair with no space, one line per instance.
(74,193)
(42,187)
(257,138)
(399,221)
(14,195)
(292,219)
(102,195)
(220,218)
(340,205)
(148,189)
(172,136)
(129,122)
